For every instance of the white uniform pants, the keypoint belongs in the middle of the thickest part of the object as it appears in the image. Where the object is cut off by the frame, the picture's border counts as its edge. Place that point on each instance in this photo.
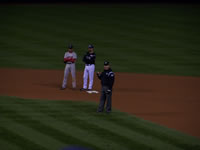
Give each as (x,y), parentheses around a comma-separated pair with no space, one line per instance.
(69,68)
(88,72)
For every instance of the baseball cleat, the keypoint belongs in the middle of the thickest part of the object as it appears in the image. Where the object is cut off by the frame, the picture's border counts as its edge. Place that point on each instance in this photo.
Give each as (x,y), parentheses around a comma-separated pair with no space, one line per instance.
(73,88)
(108,112)
(98,111)
(62,88)
(82,89)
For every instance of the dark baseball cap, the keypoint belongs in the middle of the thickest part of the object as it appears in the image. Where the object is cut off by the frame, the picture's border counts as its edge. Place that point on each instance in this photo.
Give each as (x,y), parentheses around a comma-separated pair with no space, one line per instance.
(106,63)
(90,46)
(70,46)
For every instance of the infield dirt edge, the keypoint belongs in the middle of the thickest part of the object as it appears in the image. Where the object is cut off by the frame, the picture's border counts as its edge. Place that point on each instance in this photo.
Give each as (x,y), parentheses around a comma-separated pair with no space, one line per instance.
(171,101)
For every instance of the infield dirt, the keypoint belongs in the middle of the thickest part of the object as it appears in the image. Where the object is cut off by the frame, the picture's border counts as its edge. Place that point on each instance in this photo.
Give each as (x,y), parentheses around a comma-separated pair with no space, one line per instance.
(172,101)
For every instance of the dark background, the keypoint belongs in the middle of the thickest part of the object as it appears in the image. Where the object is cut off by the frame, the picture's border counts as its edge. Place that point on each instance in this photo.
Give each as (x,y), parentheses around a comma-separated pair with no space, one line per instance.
(98,1)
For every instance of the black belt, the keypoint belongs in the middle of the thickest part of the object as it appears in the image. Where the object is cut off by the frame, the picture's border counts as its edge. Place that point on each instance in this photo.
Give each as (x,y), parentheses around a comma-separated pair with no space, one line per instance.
(70,63)
(89,64)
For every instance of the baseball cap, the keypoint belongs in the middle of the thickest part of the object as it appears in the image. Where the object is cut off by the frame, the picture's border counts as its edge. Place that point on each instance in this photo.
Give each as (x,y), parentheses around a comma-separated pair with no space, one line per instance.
(90,46)
(70,46)
(106,63)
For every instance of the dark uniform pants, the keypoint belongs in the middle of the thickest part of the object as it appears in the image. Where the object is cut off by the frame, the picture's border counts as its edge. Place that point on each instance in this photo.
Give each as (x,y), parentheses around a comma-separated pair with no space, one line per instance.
(105,96)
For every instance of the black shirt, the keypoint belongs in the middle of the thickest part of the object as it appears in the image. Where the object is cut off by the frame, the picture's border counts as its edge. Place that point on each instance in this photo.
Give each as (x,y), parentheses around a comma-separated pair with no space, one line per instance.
(107,78)
(89,58)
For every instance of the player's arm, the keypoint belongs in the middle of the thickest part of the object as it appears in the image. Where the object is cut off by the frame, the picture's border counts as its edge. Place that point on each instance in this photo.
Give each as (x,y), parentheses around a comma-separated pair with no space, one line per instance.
(84,59)
(74,58)
(99,75)
(65,58)
(68,59)
(111,80)
(93,59)
(94,56)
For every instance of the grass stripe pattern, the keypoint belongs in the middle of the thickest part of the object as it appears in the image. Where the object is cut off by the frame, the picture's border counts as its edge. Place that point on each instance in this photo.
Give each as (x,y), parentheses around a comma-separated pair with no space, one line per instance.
(159,39)
(53,125)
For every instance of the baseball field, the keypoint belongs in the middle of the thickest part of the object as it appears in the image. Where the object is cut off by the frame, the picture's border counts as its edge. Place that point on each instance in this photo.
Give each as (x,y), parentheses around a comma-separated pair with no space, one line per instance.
(153,49)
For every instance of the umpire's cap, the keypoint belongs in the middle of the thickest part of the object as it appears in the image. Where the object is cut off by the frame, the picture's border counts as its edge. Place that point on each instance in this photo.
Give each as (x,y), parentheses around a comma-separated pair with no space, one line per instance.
(106,63)
(70,46)
(90,46)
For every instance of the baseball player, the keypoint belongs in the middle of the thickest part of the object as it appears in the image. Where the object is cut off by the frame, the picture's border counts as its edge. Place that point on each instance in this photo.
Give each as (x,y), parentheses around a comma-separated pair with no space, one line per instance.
(70,58)
(89,60)
(107,78)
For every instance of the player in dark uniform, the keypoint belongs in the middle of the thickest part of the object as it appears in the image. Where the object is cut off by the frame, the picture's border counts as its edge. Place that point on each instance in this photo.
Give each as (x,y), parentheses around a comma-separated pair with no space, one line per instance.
(107,78)
(89,60)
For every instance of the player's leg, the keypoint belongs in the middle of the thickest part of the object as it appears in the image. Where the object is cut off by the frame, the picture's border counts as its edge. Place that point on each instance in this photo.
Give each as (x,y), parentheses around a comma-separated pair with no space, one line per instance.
(66,73)
(73,73)
(85,77)
(91,76)
(109,102)
(102,100)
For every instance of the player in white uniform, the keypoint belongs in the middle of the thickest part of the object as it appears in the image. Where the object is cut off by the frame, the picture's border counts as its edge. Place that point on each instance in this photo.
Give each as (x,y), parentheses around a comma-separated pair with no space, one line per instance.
(89,60)
(70,58)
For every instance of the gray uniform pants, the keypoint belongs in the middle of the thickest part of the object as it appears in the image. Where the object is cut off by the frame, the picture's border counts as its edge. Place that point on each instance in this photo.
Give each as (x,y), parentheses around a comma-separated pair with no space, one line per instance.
(69,68)
(105,96)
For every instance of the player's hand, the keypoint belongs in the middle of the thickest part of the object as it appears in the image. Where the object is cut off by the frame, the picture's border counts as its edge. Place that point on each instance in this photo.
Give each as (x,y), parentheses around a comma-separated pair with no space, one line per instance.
(108,91)
(98,73)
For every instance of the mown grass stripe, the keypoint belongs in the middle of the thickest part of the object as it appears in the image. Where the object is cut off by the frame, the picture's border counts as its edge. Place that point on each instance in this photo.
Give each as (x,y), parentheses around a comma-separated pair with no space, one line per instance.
(16,139)
(142,35)
(62,29)
(147,140)
(8,145)
(142,127)
(164,28)
(46,32)
(27,120)
(175,57)
(31,134)
(129,16)
(85,113)
(66,127)
(88,126)
(153,61)
(181,140)
(64,22)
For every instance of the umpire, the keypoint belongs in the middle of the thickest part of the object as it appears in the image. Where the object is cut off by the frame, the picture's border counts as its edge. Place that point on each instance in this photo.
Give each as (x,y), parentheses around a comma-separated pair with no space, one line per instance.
(107,78)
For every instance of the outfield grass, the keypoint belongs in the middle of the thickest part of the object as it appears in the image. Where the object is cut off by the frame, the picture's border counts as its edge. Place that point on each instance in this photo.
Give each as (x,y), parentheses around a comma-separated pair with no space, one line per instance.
(51,125)
(157,39)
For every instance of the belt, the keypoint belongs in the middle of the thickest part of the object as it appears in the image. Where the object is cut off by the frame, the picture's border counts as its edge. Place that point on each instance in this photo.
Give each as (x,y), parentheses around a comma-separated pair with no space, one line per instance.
(89,64)
(70,63)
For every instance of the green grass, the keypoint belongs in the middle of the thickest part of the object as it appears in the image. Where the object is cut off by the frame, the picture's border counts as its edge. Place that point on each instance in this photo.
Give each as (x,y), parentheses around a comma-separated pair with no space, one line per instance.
(156,39)
(53,125)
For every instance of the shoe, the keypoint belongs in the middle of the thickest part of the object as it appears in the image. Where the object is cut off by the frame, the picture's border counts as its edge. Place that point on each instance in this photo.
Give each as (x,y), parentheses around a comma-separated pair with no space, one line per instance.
(62,88)
(108,112)
(89,89)
(82,89)
(99,111)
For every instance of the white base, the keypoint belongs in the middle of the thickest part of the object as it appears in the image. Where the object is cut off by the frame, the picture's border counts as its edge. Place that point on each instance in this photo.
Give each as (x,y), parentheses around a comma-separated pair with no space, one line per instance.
(90,92)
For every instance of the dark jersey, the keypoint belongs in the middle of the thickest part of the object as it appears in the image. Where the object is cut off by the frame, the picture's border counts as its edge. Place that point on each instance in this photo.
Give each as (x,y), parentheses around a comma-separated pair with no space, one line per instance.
(89,58)
(107,78)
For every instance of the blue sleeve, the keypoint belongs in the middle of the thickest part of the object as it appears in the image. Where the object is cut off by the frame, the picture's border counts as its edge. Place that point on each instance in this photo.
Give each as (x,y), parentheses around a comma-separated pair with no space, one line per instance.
(84,58)
(111,80)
